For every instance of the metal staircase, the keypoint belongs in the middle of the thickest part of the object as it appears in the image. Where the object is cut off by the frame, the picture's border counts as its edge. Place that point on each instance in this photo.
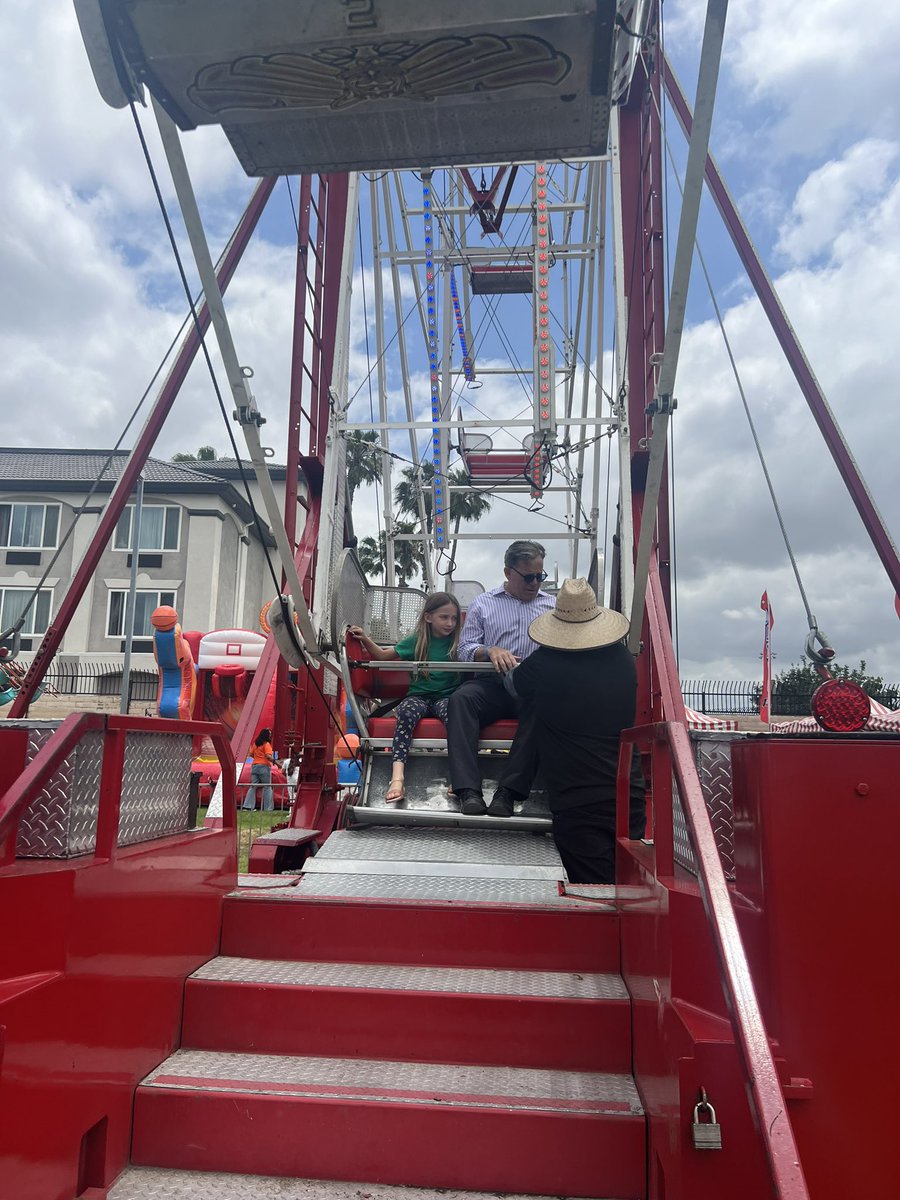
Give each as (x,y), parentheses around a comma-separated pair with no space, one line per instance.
(436,1009)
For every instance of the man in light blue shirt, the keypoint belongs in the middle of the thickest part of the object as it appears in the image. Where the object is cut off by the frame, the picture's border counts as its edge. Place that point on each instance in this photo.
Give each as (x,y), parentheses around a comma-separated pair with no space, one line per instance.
(496,630)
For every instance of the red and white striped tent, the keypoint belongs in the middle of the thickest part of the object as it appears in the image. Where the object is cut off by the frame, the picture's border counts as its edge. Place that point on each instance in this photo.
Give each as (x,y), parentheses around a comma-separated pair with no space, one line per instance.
(881,720)
(697,720)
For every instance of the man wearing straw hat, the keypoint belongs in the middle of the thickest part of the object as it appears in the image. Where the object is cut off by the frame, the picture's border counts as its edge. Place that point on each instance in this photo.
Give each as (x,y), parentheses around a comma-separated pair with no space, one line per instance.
(583,684)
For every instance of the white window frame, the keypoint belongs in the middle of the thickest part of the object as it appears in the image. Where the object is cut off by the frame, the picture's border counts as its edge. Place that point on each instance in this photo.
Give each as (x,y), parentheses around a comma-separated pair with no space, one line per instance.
(25,631)
(157,592)
(129,509)
(14,504)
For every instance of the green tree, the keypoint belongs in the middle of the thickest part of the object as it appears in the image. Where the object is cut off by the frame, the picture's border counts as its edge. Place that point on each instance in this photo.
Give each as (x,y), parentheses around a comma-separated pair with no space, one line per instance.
(363,459)
(793,687)
(204,454)
(464,506)
(409,558)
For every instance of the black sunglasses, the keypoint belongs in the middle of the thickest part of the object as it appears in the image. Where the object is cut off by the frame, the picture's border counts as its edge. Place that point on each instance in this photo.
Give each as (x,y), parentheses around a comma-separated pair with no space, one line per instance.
(540,576)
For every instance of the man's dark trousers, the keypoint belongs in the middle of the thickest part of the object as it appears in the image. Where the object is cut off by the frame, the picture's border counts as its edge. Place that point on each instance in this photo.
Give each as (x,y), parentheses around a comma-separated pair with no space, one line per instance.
(472,706)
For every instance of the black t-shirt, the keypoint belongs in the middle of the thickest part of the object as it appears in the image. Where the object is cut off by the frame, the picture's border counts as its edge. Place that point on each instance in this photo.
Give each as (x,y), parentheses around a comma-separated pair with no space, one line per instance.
(583,700)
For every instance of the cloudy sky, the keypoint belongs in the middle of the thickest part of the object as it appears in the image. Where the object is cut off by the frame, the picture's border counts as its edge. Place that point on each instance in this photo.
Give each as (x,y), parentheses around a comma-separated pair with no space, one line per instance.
(807,133)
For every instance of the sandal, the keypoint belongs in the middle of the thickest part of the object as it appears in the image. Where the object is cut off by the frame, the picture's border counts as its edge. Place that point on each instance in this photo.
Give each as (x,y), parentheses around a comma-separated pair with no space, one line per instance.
(395,793)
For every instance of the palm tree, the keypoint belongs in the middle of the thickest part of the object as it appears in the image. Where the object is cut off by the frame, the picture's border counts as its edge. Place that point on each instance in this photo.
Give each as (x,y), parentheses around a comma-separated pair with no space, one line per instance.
(363,459)
(409,557)
(464,506)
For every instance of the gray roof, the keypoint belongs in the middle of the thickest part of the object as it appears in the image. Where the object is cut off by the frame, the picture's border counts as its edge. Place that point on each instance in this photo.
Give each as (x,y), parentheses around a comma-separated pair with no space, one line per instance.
(228,468)
(37,464)
(29,468)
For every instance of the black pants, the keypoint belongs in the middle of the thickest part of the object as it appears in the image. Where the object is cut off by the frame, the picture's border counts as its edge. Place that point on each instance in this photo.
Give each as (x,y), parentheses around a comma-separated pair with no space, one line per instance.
(472,706)
(586,836)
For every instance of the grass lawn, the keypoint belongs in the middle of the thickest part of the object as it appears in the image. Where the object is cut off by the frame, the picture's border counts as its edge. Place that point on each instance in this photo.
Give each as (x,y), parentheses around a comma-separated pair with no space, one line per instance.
(250,825)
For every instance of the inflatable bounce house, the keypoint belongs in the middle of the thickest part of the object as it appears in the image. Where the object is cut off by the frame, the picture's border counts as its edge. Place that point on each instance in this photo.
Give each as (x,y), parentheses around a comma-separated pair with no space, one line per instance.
(206,677)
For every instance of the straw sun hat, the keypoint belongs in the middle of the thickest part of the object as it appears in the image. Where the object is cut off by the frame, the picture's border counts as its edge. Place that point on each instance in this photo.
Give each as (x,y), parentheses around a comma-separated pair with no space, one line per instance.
(578,622)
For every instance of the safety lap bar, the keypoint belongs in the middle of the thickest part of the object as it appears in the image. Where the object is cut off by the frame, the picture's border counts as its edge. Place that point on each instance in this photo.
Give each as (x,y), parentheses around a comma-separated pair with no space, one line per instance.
(400,664)
(670,749)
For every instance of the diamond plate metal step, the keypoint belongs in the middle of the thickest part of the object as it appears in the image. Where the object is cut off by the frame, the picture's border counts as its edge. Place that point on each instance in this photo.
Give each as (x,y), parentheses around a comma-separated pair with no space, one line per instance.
(507,923)
(420,1124)
(534,892)
(569,985)
(544,1019)
(442,846)
(374,1080)
(158,1183)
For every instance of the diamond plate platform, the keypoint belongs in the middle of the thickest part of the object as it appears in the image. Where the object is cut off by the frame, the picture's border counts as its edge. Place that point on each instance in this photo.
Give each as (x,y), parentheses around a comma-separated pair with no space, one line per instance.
(374,1080)
(266,881)
(461,980)
(536,892)
(159,1183)
(452,870)
(442,846)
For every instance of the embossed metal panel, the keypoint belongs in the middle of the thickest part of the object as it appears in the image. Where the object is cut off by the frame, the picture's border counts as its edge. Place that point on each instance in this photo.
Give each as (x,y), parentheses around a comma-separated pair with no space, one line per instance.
(712,754)
(155,786)
(404,1082)
(335,87)
(388,976)
(441,846)
(61,821)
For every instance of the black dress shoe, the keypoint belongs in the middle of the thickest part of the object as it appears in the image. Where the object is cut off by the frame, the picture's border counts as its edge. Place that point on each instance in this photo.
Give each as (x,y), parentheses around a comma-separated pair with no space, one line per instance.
(503,803)
(471,803)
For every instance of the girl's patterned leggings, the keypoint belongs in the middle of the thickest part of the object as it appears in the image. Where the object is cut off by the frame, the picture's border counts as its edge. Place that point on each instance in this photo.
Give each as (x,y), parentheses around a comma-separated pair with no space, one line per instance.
(409,713)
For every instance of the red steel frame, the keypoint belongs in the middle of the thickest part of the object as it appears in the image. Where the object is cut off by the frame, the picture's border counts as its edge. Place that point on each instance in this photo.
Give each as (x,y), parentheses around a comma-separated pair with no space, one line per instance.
(644,281)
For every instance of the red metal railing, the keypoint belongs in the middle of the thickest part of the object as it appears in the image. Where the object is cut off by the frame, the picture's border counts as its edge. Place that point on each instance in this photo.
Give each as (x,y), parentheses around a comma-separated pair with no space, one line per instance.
(114,729)
(670,750)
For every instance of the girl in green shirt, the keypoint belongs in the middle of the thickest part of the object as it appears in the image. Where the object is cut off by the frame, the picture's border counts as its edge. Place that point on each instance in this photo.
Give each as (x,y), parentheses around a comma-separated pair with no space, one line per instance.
(434,641)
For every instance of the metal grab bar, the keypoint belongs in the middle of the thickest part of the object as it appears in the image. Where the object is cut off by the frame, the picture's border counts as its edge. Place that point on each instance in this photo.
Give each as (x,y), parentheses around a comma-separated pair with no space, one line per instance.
(671,750)
(53,754)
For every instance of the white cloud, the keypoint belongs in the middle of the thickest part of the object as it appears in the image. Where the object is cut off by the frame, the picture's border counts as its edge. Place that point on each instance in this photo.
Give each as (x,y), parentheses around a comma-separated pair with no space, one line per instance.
(832,207)
(822,70)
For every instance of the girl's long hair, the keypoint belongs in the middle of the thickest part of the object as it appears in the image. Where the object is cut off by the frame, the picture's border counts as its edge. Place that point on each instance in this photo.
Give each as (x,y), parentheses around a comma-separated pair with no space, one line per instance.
(264,735)
(423,629)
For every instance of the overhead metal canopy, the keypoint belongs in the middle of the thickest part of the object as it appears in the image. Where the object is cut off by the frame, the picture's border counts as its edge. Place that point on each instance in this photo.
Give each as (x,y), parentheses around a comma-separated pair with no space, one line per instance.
(361,84)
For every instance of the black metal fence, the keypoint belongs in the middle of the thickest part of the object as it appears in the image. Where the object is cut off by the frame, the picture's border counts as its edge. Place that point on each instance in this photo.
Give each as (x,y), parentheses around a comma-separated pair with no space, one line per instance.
(732,696)
(739,696)
(74,678)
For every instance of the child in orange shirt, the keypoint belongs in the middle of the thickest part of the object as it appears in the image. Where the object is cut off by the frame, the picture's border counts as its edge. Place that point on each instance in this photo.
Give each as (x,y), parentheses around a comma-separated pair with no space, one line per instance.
(261,772)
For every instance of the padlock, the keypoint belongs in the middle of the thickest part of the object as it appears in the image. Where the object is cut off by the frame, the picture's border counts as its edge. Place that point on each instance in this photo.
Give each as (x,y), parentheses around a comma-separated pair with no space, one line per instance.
(707,1134)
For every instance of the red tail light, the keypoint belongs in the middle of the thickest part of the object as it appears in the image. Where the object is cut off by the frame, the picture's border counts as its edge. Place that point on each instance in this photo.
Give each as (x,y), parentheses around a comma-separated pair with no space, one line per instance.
(840,706)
